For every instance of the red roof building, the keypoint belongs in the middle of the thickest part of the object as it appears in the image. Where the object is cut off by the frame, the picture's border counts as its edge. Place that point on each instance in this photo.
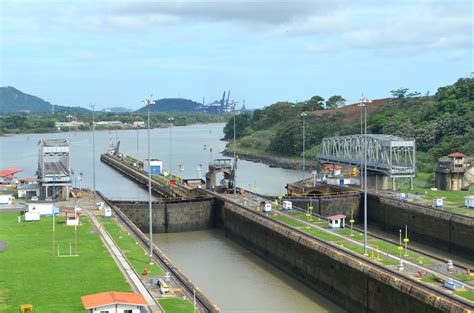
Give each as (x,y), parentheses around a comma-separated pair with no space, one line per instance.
(114,301)
(10,172)
(337,221)
(456,155)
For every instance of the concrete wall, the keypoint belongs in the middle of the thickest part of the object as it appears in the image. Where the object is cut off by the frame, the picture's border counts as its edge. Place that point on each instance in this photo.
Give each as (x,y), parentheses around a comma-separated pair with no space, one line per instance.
(354,285)
(171,216)
(327,206)
(440,229)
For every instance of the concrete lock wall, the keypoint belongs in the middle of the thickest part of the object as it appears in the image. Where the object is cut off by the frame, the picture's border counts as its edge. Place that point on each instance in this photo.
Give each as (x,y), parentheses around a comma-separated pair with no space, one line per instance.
(327,206)
(172,216)
(353,285)
(437,228)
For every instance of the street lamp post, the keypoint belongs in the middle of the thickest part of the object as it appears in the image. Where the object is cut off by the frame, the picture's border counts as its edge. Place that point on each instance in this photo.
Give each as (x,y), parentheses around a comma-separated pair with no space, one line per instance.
(235,158)
(362,104)
(93,147)
(303,115)
(170,120)
(148,102)
(136,118)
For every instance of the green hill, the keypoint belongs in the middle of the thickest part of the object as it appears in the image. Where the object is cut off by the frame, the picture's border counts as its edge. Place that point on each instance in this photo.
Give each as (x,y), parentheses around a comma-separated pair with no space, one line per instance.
(172,105)
(440,124)
(13,100)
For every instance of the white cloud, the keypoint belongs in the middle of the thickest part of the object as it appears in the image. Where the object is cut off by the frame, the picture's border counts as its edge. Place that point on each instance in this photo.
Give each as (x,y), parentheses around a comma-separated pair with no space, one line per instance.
(388,27)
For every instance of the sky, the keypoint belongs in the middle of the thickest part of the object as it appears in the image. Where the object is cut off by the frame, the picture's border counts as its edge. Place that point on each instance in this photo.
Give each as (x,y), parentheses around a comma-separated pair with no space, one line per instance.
(116,53)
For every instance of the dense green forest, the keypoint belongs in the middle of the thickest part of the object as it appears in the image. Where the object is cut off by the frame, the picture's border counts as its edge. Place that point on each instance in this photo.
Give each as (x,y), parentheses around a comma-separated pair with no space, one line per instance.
(41,123)
(13,101)
(441,124)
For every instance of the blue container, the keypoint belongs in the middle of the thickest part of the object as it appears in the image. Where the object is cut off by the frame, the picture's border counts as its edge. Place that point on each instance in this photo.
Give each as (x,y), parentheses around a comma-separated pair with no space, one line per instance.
(155,169)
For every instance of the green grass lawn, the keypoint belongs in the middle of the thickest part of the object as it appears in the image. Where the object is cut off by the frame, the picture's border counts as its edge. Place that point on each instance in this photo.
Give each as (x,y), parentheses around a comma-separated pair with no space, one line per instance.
(466,294)
(174,305)
(30,274)
(139,259)
(135,254)
(430,279)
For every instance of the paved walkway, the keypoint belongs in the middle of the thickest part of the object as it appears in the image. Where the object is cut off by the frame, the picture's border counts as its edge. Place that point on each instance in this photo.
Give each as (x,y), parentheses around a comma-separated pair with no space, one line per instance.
(125,266)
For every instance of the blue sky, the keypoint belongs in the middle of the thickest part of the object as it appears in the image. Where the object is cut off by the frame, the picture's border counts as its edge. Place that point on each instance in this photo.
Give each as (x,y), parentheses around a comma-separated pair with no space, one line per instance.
(115,53)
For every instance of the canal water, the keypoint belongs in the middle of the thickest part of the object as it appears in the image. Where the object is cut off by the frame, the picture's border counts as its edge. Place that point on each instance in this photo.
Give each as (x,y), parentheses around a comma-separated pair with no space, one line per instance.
(190,146)
(233,277)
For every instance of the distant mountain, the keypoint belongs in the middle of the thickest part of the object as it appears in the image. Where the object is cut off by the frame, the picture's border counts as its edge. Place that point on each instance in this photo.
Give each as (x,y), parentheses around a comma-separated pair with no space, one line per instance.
(13,100)
(117,110)
(172,105)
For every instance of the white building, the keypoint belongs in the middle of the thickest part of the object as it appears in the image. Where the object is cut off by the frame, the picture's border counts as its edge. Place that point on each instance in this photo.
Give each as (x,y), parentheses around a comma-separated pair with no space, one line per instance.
(110,123)
(6,199)
(114,302)
(44,207)
(287,205)
(337,221)
(72,124)
(28,190)
(138,124)
(156,166)
(469,202)
(72,217)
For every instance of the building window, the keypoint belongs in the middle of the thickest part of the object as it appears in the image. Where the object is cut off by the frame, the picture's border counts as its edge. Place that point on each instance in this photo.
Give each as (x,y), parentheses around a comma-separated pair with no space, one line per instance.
(104,311)
(127,311)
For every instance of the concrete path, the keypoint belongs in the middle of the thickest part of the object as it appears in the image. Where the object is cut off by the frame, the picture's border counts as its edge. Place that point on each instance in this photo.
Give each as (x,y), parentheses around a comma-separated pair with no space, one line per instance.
(124,265)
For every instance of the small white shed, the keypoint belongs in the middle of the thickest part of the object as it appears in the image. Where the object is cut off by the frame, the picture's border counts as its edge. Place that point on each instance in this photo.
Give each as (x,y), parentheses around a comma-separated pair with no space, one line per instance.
(107,212)
(114,301)
(6,199)
(438,203)
(72,217)
(32,216)
(469,202)
(337,221)
(287,206)
(43,207)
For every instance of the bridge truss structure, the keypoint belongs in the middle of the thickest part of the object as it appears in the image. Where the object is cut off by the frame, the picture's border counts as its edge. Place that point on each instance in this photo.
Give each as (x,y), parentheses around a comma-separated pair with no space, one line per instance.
(390,155)
(54,172)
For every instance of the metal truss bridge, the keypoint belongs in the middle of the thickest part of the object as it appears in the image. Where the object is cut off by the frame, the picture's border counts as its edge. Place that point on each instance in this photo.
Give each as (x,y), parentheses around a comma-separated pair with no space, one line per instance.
(390,155)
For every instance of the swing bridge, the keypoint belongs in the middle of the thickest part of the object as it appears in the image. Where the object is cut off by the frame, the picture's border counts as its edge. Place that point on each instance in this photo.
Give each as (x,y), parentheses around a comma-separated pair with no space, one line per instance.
(389,155)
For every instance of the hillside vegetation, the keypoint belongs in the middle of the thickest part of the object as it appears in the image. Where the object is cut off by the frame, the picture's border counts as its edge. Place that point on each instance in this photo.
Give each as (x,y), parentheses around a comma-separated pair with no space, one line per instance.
(13,100)
(42,123)
(172,105)
(441,124)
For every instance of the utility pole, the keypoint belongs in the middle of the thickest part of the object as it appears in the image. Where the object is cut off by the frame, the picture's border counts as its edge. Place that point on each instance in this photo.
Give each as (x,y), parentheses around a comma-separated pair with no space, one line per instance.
(303,115)
(136,118)
(235,158)
(93,147)
(170,120)
(54,222)
(362,104)
(148,102)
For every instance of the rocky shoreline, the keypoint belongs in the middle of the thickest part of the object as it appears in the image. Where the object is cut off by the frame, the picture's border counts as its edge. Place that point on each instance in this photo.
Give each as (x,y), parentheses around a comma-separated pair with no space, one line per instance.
(272,161)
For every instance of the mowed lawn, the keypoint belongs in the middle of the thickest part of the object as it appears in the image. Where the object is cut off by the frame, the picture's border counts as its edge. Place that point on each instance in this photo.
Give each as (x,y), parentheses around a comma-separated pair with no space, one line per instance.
(30,274)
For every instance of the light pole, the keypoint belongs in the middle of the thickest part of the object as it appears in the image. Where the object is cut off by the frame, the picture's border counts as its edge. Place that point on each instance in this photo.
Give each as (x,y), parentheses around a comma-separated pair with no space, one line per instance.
(69,116)
(303,115)
(235,158)
(170,120)
(362,104)
(54,222)
(136,118)
(148,102)
(93,147)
